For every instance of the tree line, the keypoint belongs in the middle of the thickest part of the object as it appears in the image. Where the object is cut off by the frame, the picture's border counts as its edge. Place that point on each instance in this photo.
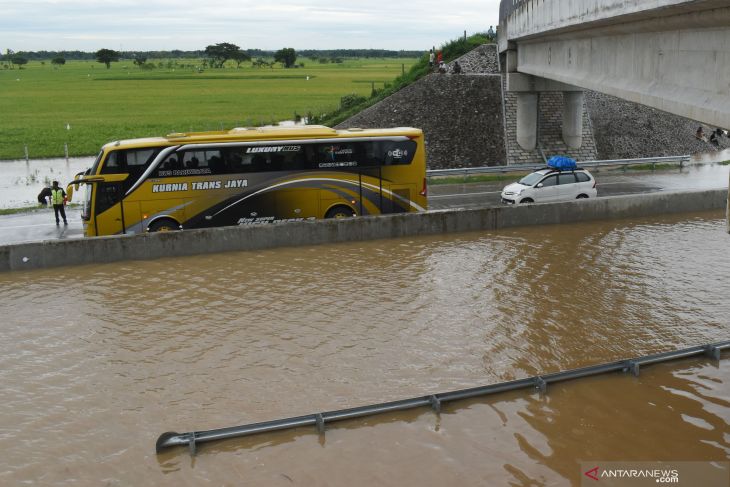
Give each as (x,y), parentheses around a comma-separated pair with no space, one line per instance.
(215,55)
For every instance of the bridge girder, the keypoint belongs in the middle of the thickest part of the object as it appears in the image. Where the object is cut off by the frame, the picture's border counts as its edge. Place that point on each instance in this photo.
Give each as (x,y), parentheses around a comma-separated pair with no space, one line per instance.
(672,55)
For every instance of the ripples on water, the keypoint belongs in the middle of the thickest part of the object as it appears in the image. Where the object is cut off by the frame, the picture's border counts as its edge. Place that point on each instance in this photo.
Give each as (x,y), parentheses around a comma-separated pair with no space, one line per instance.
(99,360)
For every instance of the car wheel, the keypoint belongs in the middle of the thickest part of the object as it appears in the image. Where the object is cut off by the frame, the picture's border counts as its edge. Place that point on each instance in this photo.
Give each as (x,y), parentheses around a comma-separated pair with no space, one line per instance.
(527,200)
(340,212)
(163,225)
(581,196)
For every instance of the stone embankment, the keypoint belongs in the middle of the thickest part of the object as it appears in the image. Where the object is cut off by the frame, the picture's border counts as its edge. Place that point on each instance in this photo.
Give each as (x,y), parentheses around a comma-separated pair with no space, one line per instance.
(482,60)
(461,115)
(626,130)
(469,120)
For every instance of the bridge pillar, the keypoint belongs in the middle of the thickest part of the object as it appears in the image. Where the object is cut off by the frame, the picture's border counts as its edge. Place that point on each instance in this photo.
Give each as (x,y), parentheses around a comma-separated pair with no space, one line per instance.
(573,119)
(527,89)
(527,105)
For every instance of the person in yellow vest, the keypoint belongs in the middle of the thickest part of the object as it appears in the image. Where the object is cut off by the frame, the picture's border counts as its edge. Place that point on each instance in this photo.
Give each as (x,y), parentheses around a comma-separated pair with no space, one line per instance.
(58,200)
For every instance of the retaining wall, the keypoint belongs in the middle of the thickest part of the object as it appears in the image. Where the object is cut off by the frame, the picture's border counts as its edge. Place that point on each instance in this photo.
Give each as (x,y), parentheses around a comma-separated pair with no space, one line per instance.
(54,253)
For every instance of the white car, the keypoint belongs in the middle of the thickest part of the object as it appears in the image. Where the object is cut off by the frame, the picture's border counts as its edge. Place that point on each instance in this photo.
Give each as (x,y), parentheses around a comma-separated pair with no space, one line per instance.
(550,185)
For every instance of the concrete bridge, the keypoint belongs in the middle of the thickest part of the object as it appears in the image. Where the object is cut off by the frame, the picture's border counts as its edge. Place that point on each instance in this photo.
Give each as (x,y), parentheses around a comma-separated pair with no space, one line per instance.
(673,55)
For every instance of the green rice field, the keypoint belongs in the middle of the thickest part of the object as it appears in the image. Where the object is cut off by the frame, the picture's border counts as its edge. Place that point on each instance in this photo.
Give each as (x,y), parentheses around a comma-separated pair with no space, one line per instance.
(85,105)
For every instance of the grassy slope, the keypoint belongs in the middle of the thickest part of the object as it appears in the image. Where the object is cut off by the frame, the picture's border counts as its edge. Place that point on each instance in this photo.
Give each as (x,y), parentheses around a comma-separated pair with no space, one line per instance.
(451,50)
(100,105)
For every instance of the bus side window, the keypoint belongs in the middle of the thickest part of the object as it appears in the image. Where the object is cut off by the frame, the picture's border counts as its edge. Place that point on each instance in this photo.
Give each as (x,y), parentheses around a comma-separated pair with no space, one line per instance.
(276,161)
(114,163)
(133,161)
(235,161)
(293,161)
(311,156)
(191,160)
(362,155)
(258,163)
(215,162)
(170,163)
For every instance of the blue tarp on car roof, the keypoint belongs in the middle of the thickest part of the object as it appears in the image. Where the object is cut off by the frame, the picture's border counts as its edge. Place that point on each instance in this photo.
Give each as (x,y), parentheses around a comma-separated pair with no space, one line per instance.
(562,163)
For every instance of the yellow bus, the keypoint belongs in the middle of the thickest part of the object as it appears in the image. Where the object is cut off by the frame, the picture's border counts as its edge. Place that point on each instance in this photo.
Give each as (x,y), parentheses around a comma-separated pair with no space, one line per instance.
(249,176)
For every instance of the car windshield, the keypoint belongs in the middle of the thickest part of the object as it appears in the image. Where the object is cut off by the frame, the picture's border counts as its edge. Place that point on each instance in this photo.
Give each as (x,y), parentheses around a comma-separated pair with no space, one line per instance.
(531,179)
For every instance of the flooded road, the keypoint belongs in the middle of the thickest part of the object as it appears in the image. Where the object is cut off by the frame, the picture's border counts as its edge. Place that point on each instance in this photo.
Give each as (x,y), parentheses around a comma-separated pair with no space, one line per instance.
(21,181)
(37,224)
(100,360)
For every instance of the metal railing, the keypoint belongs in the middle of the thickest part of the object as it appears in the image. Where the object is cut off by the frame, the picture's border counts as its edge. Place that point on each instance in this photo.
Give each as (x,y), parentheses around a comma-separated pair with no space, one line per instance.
(434,401)
(468,171)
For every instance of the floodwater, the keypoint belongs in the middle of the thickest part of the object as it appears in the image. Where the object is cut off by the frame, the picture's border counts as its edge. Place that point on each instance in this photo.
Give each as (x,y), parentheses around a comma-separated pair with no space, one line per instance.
(21,181)
(99,360)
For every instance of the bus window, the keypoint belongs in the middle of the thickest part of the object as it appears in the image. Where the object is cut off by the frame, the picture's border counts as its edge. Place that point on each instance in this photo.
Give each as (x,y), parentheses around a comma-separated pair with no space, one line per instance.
(361,154)
(95,167)
(397,153)
(115,163)
(107,195)
(187,163)
(236,161)
(171,163)
(334,155)
(215,161)
(128,161)
(194,159)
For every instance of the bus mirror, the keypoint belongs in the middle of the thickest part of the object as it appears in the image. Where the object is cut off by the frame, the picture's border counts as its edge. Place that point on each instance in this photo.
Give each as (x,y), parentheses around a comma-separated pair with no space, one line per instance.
(76,178)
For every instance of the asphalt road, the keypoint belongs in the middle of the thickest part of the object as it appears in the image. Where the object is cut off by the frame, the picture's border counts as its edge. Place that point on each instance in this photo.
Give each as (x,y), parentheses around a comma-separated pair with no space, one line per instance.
(39,224)
(609,183)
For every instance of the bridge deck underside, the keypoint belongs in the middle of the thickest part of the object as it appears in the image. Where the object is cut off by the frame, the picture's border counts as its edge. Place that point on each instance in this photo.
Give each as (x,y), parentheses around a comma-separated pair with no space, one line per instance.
(678,63)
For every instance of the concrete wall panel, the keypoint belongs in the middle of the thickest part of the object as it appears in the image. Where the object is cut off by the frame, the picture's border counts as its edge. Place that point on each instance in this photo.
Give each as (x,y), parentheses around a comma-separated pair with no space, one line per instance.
(191,242)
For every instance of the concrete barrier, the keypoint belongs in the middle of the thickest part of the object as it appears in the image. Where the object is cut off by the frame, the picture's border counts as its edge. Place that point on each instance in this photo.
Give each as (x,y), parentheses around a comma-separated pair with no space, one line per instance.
(54,253)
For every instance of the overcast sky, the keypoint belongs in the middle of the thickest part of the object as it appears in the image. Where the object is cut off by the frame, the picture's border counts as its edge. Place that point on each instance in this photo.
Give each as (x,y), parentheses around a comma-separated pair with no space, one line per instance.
(89,25)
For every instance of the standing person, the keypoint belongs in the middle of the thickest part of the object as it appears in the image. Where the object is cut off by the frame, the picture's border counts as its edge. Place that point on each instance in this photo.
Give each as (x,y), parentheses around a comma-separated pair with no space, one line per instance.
(439,59)
(58,199)
(430,60)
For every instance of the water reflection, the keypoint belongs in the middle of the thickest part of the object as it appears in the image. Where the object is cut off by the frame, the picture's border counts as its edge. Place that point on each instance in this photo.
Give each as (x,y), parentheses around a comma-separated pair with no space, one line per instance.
(101,359)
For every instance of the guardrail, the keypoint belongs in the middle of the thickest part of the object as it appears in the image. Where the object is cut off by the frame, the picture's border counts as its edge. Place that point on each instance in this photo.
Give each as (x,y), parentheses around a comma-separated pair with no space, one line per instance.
(434,401)
(467,171)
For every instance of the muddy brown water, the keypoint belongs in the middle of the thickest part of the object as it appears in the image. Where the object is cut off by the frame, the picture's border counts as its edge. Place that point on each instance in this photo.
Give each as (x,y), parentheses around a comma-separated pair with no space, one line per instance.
(99,360)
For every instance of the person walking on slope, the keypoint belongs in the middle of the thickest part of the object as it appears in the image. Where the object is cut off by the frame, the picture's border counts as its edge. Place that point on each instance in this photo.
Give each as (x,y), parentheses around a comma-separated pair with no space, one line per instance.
(58,199)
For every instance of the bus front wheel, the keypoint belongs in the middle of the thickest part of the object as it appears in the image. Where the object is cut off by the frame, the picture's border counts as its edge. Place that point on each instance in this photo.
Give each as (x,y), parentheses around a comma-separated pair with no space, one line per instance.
(340,212)
(163,225)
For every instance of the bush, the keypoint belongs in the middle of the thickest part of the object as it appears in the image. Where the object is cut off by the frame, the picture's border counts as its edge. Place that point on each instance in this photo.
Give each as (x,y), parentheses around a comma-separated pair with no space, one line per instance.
(351,100)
